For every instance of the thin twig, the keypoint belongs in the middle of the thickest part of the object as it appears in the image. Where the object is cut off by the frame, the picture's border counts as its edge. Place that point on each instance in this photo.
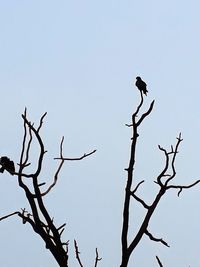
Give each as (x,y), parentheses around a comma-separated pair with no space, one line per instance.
(141,201)
(181,187)
(97,259)
(156,239)
(162,174)
(159,262)
(137,186)
(77,253)
(41,121)
(9,215)
(80,158)
(144,115)
(175,151)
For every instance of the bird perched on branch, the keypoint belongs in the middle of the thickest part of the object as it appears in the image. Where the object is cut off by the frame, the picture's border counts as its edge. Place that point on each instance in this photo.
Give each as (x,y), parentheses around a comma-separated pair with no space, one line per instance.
(7,165)
(141,85)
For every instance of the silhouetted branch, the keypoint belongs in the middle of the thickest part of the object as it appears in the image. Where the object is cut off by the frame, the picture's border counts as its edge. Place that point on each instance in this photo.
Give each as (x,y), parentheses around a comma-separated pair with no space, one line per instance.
(40,142)
(77,253)
(97,259)
(174,152)
(159,262)
(162,174)
(25,164)
(62,158)
(80,158)
(137,186)
(140,200)
(127,250)
(42,222)
(144,115)
(58,170)
(181,187)
(156,239)
(41,121)
(9,215)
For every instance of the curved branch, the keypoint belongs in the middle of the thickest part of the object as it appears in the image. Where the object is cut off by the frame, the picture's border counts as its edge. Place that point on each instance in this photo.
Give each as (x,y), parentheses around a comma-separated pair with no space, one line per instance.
(97,259)
(77,253)
(80,158)
(9,215)
(41,121)
(156,239)
(140,105)
(144,115)
(140,200)
(137,186)
(174,158)
(165,167)
(39,139)
(181,187)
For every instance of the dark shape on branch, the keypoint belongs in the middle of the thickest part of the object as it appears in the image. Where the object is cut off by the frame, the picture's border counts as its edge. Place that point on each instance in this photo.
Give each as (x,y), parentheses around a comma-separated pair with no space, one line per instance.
(141,85)
(7,165)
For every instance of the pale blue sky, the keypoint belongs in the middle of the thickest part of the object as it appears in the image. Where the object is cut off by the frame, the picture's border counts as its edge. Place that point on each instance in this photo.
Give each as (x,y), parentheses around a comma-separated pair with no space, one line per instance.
(78,60)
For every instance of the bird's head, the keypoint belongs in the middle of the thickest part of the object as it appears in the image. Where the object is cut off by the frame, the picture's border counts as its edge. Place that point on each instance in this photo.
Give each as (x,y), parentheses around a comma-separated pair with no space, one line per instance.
(138,78)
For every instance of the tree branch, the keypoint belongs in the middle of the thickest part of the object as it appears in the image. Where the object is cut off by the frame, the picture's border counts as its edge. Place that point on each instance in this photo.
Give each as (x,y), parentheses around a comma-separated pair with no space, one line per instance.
(97,259)
(144,115)
(9,215)
(137,186)
(181,187)
(77,253)
(173,159)
(80,158)
(140,200)
(41,121)
(156,239)
(159,262)
(162,174)
(126,250)
(62,158)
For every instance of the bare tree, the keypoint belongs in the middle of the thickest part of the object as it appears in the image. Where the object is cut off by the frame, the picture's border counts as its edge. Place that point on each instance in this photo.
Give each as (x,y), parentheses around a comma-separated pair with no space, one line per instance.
(163,180)
(39,217)
(42,223)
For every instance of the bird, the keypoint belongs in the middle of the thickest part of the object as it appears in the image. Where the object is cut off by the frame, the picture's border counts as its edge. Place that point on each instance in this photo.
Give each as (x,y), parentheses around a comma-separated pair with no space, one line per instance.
(7,165)
(141,85)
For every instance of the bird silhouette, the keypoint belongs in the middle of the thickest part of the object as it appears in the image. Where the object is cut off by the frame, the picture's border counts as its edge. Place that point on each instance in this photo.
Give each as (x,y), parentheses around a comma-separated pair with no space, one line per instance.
(141,85)
(7,165)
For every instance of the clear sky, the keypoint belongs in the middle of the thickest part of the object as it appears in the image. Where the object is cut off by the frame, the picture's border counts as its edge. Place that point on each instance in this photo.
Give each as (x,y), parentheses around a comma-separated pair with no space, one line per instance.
(78,61)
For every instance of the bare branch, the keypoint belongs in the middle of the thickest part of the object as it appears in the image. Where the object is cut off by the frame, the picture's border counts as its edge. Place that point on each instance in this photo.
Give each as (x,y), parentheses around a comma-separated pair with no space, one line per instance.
(25,164)
(156,239)
(41,121)
(137,186)
(80,158)
(62,231)
(162,174)
(77,253)
(62,226)
(141,201)
(175,151)
(9,215)
(55,179)
(181,187)
(127,249)
(39,139)
(144,115)
(61,147)
(60,165)
(97,258)
(58,170)
(128,125)
(159,262)
(139,106)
